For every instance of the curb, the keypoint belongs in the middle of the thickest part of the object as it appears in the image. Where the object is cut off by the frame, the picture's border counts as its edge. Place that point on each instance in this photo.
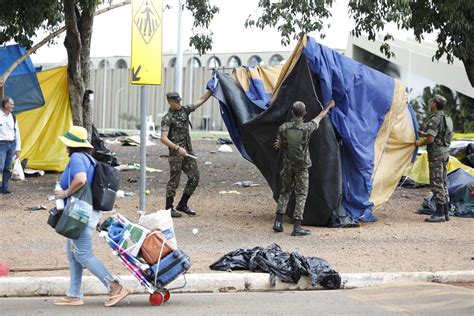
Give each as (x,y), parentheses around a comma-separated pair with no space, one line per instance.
(223,282)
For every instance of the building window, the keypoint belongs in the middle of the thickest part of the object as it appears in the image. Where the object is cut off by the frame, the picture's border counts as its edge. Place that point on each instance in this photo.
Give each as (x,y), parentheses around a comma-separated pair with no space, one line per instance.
(214,62)
(121,64)
(194,62)
(255,61)
(276,60)
(172,62)
(104,63)
(234,62)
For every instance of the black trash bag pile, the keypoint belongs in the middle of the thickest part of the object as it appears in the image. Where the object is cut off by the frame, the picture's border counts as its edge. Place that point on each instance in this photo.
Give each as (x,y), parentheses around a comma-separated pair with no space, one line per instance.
(102,153)
(289,267)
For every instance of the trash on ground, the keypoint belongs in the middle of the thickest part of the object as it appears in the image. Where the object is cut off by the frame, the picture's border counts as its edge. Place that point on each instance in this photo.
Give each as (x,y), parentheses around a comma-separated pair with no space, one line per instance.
(225,140)
(289,267)
(225,149)
(195,231)
(134,141)
(229,192)
(121,193)
(245,184)
(33,172)
(208,163)
(35,208)
(132,180)
(135,166)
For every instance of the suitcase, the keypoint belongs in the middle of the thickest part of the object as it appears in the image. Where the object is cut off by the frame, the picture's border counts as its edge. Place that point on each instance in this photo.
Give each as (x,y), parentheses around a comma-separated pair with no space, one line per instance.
(170,267)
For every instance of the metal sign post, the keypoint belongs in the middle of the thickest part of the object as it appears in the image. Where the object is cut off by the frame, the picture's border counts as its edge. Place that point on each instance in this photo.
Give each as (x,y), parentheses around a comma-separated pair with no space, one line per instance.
(146,68)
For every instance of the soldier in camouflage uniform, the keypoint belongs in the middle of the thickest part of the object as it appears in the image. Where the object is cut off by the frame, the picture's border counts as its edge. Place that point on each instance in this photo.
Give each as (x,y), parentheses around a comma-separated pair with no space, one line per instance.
(438,156)
(175,135)
(294,137)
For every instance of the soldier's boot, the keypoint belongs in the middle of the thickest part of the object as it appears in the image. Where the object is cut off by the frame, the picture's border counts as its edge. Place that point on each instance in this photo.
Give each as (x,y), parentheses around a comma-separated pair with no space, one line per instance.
(439,216)
(169,206)
(298,230)
(183,205)
(446,211)
(278,225)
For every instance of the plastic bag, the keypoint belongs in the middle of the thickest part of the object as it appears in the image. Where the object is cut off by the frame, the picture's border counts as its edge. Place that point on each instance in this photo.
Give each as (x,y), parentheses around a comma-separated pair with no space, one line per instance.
(17,173)
(289,267)
(161,220)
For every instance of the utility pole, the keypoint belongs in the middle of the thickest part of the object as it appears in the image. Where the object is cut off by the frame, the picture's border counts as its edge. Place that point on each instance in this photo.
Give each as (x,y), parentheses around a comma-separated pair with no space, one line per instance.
(179,52)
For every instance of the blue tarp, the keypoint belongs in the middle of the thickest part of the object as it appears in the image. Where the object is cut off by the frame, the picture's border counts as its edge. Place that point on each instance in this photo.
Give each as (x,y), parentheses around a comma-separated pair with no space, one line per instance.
(22,84)
(363,97)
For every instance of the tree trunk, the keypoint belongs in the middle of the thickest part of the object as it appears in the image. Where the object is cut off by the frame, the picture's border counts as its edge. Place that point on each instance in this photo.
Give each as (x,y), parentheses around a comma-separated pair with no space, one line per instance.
(469,66)
(73,45)
(85,27)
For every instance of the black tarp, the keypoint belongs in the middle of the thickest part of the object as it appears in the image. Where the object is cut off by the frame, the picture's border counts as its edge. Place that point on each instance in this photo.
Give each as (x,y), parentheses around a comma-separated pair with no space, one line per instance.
(258,131)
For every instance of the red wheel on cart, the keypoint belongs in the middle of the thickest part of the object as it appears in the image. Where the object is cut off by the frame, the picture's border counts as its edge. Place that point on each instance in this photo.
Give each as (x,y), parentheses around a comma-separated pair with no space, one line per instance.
(156,298)
(166,295)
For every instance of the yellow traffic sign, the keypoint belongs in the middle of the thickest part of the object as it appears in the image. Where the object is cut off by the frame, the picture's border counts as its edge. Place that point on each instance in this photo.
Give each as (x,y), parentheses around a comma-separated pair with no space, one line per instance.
(147,25)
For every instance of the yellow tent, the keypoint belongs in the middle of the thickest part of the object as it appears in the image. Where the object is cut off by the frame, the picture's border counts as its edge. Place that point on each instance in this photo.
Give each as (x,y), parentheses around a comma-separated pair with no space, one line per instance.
(419,171)
(40,128)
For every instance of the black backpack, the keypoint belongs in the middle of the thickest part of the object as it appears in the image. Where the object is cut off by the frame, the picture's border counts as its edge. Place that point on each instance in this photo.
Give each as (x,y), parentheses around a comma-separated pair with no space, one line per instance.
(104,186)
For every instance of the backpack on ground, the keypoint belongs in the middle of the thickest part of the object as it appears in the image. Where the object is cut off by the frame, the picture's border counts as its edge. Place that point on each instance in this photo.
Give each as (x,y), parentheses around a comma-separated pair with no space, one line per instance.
(104,186)
(296,151)
(449,130)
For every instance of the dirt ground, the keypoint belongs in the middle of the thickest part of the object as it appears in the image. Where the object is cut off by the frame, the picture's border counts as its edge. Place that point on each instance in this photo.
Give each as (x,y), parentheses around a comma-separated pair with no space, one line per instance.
(399,241)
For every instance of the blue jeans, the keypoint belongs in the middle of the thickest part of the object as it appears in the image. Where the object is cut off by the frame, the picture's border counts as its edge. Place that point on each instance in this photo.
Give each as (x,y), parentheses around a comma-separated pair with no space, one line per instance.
(7,151)
(80,256)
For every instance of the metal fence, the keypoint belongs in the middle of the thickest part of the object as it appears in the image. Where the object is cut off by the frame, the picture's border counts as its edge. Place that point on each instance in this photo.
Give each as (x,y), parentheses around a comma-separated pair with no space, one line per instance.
(117,103)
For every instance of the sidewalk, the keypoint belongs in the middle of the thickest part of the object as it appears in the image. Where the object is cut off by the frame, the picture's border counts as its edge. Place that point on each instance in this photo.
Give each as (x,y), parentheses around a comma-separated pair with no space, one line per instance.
(223,282)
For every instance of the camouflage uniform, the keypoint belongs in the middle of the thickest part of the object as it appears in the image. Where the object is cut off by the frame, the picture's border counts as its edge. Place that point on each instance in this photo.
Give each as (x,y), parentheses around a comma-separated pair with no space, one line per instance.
(176,123)
(295,176)
(438,156)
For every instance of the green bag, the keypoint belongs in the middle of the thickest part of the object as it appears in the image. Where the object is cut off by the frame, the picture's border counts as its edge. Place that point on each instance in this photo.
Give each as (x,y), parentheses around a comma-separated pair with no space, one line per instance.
(76,214)
(448,133)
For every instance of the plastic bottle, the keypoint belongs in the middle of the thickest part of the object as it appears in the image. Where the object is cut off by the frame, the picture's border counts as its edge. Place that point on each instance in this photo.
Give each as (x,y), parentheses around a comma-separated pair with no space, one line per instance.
(59,202)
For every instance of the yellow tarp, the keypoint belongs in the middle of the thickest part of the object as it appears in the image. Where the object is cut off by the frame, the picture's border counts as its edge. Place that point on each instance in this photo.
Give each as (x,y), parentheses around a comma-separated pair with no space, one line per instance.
(394,147)
(40,128)
(419,171)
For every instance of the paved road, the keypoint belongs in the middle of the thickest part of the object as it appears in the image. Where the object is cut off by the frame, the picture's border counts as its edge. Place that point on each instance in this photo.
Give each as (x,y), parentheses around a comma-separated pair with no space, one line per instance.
(399,299)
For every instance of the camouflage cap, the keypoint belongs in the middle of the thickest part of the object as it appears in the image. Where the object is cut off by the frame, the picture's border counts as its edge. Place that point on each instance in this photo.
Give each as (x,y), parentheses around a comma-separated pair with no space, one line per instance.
(173,96)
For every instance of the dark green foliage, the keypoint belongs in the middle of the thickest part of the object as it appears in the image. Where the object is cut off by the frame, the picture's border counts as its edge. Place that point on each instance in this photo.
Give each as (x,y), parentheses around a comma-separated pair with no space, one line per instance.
(452,20)
(458,106)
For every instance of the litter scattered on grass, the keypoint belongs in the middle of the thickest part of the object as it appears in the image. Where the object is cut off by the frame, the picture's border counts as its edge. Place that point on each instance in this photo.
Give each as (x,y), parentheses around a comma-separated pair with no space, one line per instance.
(35,208)
(121,193)
(222,141)
(135,166)
(229,192)
(225,149)
(245,184)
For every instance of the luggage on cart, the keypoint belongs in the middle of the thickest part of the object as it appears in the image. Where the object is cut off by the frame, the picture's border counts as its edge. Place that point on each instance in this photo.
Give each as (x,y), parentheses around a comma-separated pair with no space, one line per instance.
(169,268)
(126,240)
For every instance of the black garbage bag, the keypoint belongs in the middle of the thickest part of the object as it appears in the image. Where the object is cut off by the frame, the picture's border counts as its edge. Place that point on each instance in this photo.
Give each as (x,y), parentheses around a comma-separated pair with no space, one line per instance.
(289,267)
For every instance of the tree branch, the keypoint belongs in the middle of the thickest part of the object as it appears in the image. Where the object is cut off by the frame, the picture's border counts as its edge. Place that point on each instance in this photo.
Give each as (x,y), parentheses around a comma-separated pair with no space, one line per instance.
(45,40)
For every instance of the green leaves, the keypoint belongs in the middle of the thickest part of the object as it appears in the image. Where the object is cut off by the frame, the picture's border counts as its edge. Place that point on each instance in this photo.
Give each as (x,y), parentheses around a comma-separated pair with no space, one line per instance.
(203,13)
(292,18)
